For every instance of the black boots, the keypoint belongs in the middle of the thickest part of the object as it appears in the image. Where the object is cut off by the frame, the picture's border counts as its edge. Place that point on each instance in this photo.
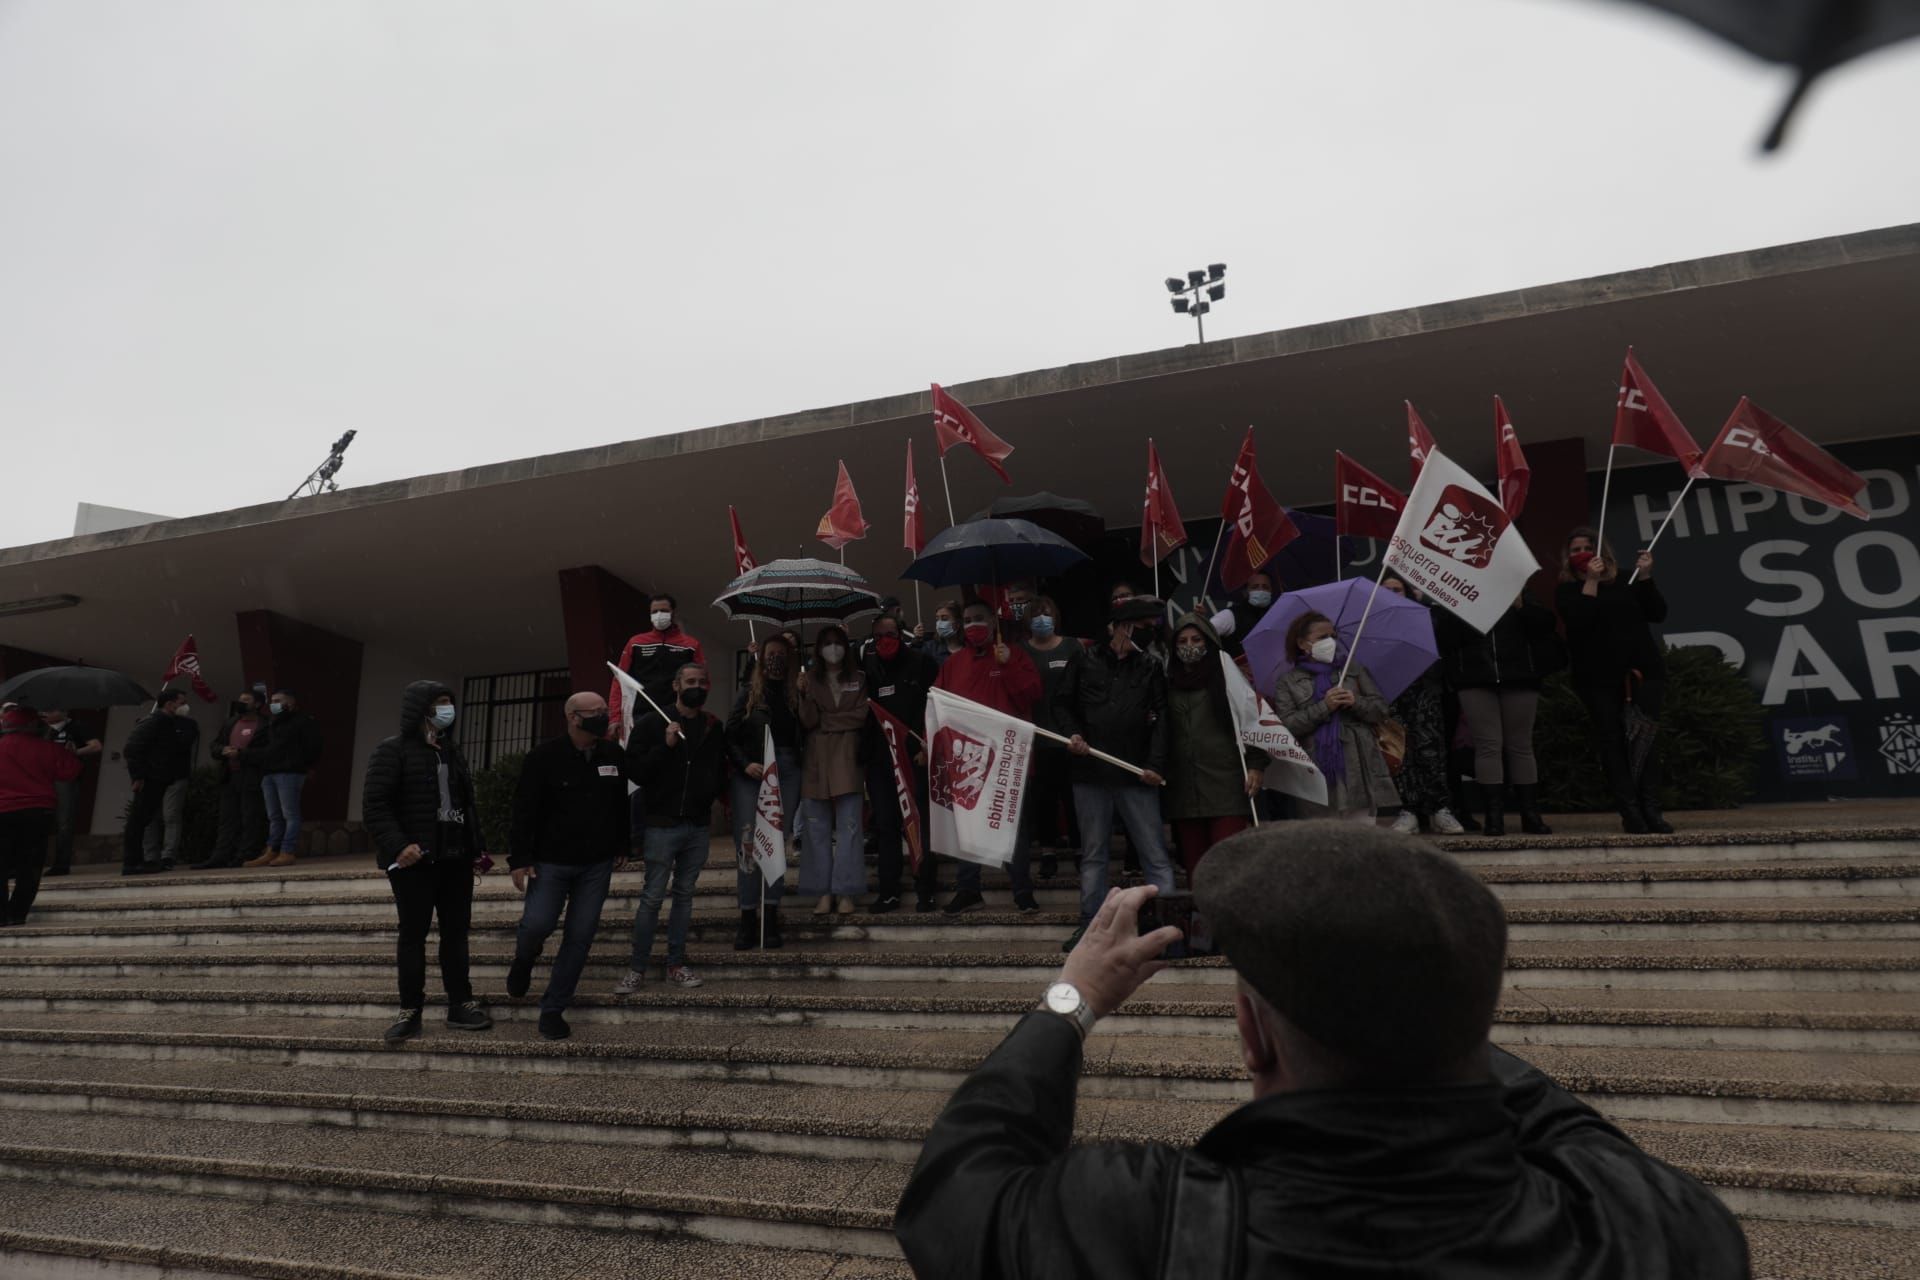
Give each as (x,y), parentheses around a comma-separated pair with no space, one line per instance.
(747,936)
(1650,811)
(1494,799)
(1527,799)
(774,939)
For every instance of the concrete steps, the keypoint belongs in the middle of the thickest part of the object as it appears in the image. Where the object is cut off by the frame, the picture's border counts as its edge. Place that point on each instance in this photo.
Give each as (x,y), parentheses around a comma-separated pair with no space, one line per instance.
(180,1053)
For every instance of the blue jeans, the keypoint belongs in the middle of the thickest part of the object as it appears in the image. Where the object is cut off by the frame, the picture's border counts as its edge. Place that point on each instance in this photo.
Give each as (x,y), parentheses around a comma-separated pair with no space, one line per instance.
(282,791)
(966,876)
(1094,803)
(583,891)
(833,861)
(673,854)
(753,889)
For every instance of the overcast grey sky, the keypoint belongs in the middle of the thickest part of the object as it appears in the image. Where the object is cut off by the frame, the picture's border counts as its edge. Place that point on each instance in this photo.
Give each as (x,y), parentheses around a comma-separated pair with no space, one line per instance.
(477,230)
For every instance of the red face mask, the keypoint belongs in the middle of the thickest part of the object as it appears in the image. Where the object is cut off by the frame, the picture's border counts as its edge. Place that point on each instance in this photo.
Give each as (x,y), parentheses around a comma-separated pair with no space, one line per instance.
(977,633)
(886,646)
(1579,561)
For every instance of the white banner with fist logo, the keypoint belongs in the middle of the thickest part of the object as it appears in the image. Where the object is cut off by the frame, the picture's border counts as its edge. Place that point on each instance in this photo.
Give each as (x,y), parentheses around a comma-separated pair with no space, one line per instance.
(1457,545)
(977,767)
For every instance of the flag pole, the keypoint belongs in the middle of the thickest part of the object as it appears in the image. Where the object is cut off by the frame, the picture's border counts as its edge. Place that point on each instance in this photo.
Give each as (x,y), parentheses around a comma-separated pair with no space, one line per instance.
(1606,486)
(1354,645)
(1212,556)
(1685,489)
(1156,580)
(919,623)
(1049,734)
(948,488)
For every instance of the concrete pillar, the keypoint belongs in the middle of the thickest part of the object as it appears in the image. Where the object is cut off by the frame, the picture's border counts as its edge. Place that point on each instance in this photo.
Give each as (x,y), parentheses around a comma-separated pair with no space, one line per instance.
(599,611)
(1557,501)
(323,670)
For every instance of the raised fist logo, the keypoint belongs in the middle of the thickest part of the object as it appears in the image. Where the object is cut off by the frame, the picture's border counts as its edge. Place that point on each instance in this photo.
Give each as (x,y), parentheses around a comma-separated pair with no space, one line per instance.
(1463,526)
(957,769)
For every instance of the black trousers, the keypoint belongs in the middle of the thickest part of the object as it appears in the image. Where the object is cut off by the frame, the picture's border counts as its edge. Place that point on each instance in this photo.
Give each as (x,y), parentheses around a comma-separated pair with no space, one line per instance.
(146,810)
(243,819)
(23,855)
(889,829)
(420,893)
(1606,709)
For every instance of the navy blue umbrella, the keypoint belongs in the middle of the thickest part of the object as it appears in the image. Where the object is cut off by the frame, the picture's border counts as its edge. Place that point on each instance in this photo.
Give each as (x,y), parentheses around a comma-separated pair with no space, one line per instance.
(993,551)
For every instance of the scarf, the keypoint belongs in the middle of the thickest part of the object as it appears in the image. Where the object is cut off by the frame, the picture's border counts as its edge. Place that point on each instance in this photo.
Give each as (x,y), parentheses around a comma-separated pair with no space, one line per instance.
(1329,752)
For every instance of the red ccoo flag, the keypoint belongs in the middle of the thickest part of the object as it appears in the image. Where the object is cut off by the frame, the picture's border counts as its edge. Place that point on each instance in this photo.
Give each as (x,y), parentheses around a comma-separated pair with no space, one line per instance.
(899,740)
(1260,527)
(916,533)
(742,558)
(954,423)
(1364,505)
(1419,442)
(1757,447)
(842,523)
(186,662)
(1515,474)
(1643,419)
(1161,532)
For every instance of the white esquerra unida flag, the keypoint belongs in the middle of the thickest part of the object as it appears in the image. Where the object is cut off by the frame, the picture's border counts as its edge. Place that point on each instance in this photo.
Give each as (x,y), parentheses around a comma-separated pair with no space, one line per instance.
(769,847)
(1291,769)
(977,768)
(1457,546)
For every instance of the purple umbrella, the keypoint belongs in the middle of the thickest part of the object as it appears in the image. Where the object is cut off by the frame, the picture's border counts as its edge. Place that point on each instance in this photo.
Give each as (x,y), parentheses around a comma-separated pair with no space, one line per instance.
(1396,648)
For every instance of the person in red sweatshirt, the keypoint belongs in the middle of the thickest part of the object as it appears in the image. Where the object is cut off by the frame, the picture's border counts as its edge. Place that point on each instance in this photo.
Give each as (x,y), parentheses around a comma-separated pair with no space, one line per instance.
(29,766)
(995,674)
(653,658)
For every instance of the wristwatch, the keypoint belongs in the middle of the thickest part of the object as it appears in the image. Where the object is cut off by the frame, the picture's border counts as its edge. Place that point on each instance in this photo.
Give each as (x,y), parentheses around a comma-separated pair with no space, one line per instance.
(1064,999)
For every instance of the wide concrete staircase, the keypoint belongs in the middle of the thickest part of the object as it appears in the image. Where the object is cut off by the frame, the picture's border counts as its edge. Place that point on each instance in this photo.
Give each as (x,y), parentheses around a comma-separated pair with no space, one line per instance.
(193,1082)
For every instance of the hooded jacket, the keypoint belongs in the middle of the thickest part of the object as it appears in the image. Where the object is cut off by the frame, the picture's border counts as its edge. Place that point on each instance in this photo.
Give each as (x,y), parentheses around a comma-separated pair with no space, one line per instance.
(404,801)
(1511,1178)
(1207,765)
(1119,705)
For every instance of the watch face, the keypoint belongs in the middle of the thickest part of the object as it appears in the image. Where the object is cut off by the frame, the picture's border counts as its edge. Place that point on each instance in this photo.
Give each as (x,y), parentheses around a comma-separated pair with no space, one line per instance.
(1063,997)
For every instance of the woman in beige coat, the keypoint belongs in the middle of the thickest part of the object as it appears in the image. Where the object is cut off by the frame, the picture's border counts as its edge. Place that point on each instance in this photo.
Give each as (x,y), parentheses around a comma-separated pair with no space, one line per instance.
(1334,720)
(833,712)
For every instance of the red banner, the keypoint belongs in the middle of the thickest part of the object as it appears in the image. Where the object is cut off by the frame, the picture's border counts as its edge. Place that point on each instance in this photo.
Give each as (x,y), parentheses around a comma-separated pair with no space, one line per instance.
(186,662)
(742,558)
(1419,442)
(843,522)
(1161,532)
(954,423)
(1260,527)
(900,751)
(1515,474)
(916,532)
(1643,420)
(1365,506)
(1757,447)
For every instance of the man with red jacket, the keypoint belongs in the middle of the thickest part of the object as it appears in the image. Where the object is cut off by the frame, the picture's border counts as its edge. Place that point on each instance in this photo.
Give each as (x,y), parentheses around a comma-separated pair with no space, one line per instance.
(29,766)
(995,674)
(653,658)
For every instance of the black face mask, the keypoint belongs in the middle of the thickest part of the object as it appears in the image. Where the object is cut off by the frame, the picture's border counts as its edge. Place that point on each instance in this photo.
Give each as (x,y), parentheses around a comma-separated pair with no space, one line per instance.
(694,697)
(776,668)
(596,725)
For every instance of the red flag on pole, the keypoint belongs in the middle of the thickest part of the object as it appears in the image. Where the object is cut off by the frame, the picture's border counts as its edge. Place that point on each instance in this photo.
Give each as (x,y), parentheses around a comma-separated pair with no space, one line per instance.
(1643,419)
(1364,505)
(1515,474)
(743,561)
(900,752)
(916,534)
(1419,442)
(1260,527)
(1757,447)
(1161,532)
(954,423)
(842,523)
(186,662)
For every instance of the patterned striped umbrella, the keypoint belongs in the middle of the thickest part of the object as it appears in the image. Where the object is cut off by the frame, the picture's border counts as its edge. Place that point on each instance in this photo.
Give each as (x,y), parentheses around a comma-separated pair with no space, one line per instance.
(795,592)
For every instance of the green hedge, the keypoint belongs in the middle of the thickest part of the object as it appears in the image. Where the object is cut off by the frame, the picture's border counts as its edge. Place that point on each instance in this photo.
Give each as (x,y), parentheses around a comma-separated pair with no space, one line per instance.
(493,797)
(1711,741)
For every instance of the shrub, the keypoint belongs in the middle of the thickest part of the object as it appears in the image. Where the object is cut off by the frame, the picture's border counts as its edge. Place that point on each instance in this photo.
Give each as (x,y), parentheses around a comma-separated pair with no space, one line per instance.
(1710,739)
(493,797)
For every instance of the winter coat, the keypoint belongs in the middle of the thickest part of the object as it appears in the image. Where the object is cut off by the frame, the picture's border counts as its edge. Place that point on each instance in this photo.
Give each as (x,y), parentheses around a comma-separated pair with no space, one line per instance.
(1522,649)
(1207,765)
(747,730)
(679,784)
(1368,783)
(900,686)
(160,750)
(1611,633)
(833,709)
(1012,686)
(403,801)
(29,766)
(1055,666)
(653,659)
(229,768)
(286,743)
(1119,705)
(1513,1177)
(571,806)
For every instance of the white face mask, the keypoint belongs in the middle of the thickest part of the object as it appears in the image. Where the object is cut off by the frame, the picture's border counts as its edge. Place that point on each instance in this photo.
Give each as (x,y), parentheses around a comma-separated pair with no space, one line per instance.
(1324,649)
(1259,599)
(443,716)
(183,710)
(831,654)
(662,620)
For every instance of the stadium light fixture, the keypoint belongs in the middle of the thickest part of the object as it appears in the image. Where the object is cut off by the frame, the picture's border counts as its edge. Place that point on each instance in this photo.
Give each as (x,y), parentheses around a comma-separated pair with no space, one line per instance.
(1187,300)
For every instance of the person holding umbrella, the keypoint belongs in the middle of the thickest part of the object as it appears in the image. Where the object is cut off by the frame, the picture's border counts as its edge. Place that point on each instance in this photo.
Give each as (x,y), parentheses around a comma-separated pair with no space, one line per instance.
(833,711)
(30,768)
(1334,719)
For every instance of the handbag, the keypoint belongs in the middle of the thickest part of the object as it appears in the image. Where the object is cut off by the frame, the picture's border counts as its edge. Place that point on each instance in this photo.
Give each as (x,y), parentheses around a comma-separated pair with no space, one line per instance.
(1392,737)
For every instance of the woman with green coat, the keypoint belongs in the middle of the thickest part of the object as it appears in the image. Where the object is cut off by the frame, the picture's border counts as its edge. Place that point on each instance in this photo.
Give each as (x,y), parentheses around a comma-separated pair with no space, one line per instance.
(1211,776)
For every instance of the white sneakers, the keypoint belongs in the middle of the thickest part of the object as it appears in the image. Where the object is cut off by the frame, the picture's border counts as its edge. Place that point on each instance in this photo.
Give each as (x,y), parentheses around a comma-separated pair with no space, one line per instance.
(1446,824)
(679,975)
(1406,823)
(630,984)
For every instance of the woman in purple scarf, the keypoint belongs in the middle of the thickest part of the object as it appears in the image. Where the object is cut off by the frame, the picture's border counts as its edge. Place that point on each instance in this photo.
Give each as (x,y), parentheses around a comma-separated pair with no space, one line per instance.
(1334,722)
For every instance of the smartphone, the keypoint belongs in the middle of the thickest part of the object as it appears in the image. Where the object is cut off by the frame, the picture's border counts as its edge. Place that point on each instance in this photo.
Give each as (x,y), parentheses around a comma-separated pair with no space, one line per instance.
(1177,909)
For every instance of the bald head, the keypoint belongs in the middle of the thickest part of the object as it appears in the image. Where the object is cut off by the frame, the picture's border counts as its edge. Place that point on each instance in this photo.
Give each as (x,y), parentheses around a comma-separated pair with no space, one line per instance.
(585,703)
(587,719)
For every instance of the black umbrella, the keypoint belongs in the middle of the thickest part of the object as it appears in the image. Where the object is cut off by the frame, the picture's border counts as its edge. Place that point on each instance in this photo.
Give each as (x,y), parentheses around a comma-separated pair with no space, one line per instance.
(64,687)
(1076,521)
(993,551)
(1811,35)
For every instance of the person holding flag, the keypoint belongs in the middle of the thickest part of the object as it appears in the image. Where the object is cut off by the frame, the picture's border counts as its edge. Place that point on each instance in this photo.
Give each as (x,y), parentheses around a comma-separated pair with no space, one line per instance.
(1616,661)
(768,702)
(898,676)
(1331,704)
(1212,778)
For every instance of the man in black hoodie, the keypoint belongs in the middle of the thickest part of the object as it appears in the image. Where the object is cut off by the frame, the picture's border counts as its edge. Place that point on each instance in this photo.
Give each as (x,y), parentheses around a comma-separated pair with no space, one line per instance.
(419,809)
(283,754)
(572,828)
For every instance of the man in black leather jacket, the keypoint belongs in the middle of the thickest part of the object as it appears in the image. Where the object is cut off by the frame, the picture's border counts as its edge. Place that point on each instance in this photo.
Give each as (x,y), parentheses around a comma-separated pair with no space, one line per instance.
(1386,1136)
